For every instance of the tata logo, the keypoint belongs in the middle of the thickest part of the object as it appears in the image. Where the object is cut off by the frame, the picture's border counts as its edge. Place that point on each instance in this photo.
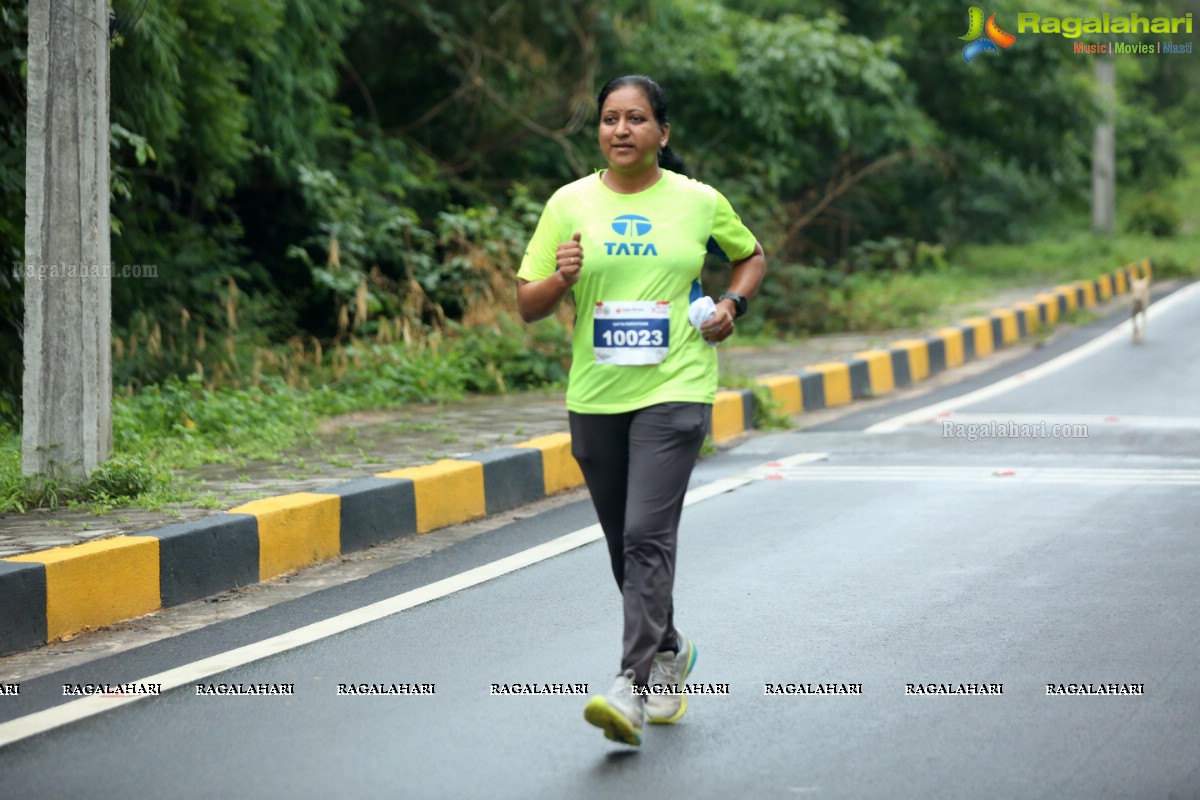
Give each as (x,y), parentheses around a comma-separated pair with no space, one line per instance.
(631,227)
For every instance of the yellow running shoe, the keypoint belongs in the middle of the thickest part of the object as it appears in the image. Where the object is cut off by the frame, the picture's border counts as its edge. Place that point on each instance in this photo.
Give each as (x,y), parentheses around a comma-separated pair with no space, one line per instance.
(620,713)
(666,702)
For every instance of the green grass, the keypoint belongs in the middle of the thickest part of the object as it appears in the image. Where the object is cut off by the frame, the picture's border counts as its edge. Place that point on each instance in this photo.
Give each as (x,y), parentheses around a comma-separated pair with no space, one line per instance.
(118,483)
(1068,250)
(1073,254)
(1065,252)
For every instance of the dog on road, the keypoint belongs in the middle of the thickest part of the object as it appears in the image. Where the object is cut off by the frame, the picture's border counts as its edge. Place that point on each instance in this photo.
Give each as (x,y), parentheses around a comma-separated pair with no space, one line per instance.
(1139,293)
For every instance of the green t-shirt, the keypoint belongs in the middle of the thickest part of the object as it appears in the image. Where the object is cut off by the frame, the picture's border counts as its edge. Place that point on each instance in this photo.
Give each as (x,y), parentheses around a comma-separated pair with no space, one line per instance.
(639,251)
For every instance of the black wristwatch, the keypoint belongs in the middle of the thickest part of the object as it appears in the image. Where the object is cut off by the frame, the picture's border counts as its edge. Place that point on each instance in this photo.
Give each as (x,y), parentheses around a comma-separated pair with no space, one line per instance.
(739,303)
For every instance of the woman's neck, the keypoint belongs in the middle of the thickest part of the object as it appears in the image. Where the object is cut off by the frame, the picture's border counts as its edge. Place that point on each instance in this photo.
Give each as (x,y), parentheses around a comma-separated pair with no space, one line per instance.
(631,183)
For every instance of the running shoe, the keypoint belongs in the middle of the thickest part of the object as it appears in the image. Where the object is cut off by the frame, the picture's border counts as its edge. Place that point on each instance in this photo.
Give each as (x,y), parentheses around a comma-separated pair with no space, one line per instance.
(666,702)
(620,713)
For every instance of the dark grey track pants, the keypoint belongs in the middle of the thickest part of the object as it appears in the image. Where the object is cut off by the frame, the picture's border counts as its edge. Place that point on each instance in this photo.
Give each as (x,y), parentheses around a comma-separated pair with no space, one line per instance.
(637,466)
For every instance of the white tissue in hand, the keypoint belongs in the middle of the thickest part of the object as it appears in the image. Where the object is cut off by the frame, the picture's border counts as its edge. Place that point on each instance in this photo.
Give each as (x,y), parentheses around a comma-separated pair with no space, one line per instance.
(700,312)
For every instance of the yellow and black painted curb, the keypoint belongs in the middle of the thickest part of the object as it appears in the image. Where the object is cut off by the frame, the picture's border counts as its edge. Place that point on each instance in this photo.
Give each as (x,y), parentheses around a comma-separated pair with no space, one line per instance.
(873,373)
(48,595)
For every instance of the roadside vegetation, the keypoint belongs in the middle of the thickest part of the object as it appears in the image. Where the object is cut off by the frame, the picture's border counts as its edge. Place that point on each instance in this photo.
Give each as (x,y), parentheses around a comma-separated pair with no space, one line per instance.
(337,222)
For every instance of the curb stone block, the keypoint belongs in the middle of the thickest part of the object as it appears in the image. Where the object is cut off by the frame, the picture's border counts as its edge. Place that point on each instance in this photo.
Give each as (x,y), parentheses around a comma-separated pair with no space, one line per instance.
(447,492)
(935,347)
(206,556)
(785,389)
(22,606)
(374,510)
(812,389)
(1087,292)
(1070,295)
(982,343)
(860,378)
(1005,330)
(1022,324)
(997,328)
(968,337)
(559,468)
(1049,308)
(728,416)
(835,382)
(1028,318)
(748,406)
(953,342)
(901,373)
(918,357)
(512,476)
(294,531)
(880,373)
(98,583)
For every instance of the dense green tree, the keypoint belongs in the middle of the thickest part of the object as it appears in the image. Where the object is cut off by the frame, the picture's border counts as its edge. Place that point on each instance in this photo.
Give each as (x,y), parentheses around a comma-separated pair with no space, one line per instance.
(791,116)
(493,92)
(230,99)
(13,24)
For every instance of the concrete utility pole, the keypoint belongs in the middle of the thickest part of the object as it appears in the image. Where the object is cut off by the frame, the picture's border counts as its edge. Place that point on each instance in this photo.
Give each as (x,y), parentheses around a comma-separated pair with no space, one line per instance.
(67,427)
(1104,150)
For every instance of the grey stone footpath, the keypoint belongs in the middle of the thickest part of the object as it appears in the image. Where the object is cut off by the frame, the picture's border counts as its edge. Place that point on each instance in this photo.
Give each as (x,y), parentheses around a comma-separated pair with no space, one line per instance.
(360,444)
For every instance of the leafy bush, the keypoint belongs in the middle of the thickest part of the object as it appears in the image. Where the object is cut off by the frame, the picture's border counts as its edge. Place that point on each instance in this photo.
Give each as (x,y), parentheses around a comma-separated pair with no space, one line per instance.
(513,357)
(879,304)
(892,255)
(1154,215)
(124,479)
(262,410)
(875,287)
(117,481)
(795,299)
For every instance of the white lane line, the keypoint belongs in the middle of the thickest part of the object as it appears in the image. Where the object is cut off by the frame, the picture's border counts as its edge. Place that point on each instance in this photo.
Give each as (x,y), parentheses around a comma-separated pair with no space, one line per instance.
(1122,331)
(195,672)
(1092,421)
(998,475)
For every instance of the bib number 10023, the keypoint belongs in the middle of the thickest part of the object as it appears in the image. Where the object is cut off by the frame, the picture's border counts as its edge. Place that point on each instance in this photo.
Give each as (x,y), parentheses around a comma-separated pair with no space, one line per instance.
(634,338)
(632,333)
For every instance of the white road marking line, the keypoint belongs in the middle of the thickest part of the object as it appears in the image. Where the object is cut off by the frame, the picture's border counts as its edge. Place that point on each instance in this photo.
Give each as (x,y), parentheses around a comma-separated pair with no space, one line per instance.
(195,672)
(996,474)
(1122,331)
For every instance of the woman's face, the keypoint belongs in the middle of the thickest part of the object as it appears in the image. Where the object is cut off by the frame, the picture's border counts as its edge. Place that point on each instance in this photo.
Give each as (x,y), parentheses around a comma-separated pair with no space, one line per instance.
(630,136)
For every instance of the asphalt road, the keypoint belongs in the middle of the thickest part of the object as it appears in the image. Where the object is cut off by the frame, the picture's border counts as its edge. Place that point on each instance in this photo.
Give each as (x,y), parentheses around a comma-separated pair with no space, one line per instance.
(926,554)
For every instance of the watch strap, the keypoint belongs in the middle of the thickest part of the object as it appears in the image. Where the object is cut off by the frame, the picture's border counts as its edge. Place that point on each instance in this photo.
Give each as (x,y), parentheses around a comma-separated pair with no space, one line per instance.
(739,303)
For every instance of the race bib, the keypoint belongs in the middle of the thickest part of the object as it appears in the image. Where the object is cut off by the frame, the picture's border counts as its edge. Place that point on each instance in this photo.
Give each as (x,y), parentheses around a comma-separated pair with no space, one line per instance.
(631,334)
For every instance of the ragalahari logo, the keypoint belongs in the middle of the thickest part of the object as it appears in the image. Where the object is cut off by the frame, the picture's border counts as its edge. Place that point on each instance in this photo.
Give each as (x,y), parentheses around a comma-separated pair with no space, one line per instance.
(983,38)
